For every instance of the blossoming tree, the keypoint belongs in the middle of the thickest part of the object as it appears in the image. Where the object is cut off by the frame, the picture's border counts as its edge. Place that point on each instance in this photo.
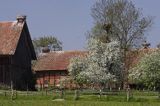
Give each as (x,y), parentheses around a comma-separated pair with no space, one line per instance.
(101,66)
(147,71)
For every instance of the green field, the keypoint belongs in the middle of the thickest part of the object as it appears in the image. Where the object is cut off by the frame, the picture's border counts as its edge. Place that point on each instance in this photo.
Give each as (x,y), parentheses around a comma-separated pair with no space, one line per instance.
(86,99)
(72,103)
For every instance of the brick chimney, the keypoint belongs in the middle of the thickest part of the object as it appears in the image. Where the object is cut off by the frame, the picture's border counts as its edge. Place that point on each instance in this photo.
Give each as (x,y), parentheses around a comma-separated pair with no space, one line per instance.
(21,18)
(45,50)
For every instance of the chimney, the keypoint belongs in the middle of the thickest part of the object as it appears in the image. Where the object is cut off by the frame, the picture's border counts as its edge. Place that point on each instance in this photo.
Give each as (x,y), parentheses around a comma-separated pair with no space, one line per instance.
(45,50)
(145,45)
(21,18)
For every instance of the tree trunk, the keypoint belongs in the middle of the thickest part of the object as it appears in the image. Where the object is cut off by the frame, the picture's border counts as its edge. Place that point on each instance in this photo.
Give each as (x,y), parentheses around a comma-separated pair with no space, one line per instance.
(125,69)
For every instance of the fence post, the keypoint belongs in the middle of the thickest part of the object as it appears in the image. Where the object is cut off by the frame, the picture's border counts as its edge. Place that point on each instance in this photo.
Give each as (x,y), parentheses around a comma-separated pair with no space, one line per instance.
(16,93)
(76,96)
(5,94)
(46,91)
(61,93)
(128,94)
(27,89)
(42,91)
(12,92)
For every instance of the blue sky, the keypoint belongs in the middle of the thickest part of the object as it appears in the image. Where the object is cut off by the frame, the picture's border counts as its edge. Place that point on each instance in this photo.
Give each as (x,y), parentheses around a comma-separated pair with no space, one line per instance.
(69,20)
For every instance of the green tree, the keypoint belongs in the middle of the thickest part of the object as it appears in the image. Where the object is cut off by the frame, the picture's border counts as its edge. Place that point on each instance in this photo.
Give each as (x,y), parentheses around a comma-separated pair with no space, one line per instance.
(123,21)
(76,67)
(46,41)
(104,62)
(101,66)
(147,71)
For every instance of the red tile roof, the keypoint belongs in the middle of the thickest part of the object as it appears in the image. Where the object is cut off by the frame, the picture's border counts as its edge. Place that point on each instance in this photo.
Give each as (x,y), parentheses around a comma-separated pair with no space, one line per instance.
(134,56)
(9,37)
(57,60)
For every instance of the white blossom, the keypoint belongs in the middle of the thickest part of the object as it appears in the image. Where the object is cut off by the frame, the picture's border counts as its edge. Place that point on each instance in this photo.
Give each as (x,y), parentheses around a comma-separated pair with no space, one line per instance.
(104,61)
(101,66)
(147,70)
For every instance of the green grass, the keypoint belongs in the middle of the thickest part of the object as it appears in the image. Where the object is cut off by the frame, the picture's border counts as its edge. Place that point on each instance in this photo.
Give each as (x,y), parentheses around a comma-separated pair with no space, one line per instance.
(86,99)
(73,103)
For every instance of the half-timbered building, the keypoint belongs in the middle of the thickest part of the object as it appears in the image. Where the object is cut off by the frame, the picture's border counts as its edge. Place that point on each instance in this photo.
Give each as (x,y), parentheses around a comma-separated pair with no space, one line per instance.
(51,67)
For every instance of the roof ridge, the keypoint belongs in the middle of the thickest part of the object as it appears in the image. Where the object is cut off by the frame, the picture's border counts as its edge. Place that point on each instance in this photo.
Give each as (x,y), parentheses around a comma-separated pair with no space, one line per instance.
(7,21)
(71,51)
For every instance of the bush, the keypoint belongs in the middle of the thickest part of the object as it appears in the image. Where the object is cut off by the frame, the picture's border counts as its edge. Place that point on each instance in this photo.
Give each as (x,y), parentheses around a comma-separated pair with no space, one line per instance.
(4,87)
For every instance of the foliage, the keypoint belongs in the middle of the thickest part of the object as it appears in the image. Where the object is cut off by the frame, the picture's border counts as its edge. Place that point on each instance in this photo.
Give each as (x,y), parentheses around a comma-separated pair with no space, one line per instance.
(147,70)
(76,67)
(121,18)
(101,66)
(46,41)
(4,87)
(104,62)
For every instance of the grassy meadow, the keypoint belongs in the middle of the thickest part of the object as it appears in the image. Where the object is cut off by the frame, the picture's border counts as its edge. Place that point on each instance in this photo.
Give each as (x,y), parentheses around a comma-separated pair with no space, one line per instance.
(86,99)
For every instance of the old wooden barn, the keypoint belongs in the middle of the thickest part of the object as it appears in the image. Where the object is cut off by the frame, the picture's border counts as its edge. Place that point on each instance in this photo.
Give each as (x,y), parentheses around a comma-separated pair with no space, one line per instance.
(16,53)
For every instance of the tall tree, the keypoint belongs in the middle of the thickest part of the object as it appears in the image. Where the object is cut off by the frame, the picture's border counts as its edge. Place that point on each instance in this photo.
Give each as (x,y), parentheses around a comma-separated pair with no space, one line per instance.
(46,41)
(123,21)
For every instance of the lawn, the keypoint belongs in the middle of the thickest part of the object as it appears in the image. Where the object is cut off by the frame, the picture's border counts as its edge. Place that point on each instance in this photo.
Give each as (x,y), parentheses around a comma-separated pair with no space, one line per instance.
(86,99)
(72,103)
